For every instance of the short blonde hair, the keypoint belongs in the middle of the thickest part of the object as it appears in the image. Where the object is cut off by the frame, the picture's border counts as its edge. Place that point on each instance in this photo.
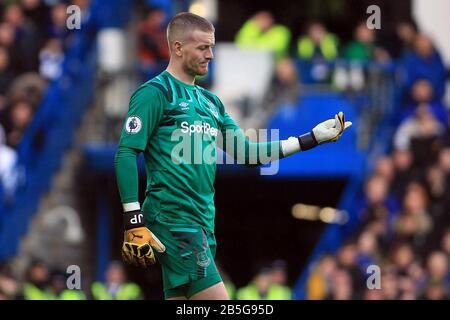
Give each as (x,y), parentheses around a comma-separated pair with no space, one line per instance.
(182,25)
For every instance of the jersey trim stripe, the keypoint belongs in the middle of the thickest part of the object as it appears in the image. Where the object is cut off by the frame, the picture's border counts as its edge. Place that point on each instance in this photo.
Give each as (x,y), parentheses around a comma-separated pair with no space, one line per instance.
(178,89)
(187,95)
(200,112)
(169,88)
(161,88)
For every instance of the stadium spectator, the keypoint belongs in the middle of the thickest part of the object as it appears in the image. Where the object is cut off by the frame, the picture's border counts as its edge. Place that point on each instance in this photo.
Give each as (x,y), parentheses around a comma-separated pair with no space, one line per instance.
(58,288)
(435,291)
(8,43)
(347,261)
(403,172)
(389,285)
(438,268)
(6,76)
(384,167)
(368,252)
(445,242)
(444,160)
(51,60)
(20,116)
(398,39)
(381,230)
(8,170)
(6,35)
(406,32)
(261,32)
(418,129)
(9,286)
(314,51)
(407,288)
(438,280)
(267,284)
(362,48)
(342,286)
(36,286)
(319,281)
(377,204)
(27,38)
(402,258)
(414,223)
(284,90)
(37,12)
(439,205)
(28,86)
(258,288)
(116,286)
(280,279)
(152,44)
(361,51)
(425,62)
(422,94)
(58,19)
(317,44)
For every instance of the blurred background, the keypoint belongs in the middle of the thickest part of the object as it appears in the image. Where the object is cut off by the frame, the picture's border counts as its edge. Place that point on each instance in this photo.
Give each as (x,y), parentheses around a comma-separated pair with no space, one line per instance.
(380,196)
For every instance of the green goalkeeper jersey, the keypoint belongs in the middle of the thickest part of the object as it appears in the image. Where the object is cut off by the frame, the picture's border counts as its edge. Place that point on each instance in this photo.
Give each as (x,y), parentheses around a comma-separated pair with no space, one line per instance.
(178,127)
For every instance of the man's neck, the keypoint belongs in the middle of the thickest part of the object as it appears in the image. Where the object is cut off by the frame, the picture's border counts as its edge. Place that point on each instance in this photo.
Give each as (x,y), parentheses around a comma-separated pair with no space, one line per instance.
(179,74)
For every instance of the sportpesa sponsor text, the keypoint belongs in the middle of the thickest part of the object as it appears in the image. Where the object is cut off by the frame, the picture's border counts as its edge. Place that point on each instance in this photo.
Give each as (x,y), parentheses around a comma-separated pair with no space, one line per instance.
(199,127)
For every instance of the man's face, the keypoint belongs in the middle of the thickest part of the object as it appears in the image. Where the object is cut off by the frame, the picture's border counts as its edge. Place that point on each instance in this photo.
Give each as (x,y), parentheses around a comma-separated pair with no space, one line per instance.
(197,52)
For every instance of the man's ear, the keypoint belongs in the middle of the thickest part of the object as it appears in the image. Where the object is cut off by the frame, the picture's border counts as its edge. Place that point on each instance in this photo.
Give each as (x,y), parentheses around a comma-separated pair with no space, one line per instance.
(177,48)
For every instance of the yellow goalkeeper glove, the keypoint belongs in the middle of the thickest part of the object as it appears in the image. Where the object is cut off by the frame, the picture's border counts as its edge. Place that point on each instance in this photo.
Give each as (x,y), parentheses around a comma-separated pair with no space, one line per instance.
(139,242)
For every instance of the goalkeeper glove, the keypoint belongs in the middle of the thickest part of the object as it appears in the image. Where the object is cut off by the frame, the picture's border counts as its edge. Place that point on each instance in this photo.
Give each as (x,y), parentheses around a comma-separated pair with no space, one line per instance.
(327,131)
(139,242)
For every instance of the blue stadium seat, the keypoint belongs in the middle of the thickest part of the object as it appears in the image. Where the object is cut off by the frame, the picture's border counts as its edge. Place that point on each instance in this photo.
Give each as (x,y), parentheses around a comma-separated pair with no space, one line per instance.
(331,160)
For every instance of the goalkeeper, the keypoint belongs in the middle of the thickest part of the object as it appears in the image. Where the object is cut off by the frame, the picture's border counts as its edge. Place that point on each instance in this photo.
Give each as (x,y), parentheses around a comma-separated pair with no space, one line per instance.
(175,224)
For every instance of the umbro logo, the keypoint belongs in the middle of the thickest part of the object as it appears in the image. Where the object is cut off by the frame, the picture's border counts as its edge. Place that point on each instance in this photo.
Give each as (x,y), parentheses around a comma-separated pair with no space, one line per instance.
(184,106)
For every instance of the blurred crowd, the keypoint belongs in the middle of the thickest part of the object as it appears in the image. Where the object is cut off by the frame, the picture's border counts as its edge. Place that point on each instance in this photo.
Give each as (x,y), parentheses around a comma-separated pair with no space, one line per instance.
(405,274)
(42,282)
(403,213)
(317,56)
(269,282)
(33,37)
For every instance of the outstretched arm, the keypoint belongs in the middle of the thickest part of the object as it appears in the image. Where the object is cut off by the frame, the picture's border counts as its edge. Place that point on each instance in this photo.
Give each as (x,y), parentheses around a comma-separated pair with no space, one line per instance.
(253,154)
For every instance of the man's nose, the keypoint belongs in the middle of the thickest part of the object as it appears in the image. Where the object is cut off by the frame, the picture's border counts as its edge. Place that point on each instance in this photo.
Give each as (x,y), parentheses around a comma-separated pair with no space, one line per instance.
(209,54)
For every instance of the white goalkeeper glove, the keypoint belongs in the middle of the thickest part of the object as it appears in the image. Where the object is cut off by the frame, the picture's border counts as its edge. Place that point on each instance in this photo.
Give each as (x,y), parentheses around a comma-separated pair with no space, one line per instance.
(327,131)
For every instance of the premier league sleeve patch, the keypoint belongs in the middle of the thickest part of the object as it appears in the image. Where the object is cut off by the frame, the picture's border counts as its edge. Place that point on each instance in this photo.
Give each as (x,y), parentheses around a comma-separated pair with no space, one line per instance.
(133,125)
